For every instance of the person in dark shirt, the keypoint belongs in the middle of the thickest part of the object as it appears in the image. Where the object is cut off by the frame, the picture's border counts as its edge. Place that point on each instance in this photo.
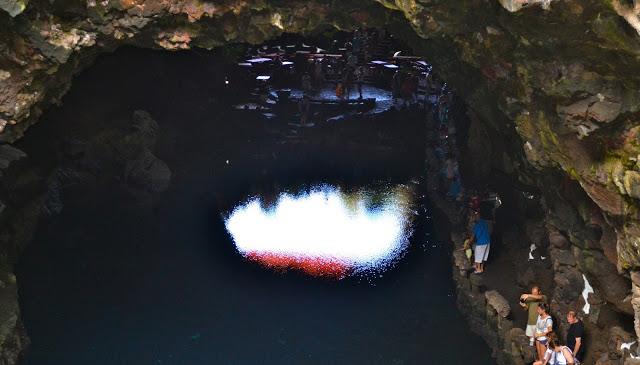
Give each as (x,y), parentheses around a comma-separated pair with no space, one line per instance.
(575,335)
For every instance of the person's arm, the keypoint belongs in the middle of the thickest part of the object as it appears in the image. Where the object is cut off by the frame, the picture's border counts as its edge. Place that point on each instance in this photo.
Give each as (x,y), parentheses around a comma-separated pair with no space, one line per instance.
(567,355)
(578,344)
(532,297)
(546,358)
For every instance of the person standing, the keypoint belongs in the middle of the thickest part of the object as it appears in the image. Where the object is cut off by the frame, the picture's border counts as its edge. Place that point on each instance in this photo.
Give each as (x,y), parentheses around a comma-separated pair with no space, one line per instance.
(575,335)
(529,302)
(544,326)
(318,74)
(306,84)
(359,74)
(482,238)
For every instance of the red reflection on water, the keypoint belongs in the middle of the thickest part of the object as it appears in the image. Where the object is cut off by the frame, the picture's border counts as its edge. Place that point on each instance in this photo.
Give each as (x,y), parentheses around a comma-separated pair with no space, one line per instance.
(314,266)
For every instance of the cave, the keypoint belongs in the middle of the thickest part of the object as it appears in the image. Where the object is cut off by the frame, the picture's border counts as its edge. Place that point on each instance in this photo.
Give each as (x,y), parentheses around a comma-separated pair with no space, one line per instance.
(171,191)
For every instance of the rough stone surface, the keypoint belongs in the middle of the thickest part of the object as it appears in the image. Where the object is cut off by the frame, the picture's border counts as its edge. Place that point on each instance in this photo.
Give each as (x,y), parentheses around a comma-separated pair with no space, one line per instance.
(553,87)
(498,303)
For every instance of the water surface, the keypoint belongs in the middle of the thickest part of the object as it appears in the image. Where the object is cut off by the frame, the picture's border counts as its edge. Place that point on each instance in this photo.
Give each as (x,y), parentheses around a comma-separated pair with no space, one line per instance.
(112,280)
(326,231)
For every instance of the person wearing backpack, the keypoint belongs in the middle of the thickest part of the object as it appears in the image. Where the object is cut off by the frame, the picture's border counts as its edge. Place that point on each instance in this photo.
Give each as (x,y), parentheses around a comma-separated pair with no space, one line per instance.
(544,326)
(556,354)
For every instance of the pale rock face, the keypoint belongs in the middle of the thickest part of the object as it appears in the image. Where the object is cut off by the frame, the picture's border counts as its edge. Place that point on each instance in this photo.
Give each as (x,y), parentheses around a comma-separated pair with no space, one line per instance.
(13,7)
(516,5)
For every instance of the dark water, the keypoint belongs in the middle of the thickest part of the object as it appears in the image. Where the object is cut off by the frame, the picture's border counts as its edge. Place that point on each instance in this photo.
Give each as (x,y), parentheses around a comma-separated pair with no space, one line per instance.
(112,280)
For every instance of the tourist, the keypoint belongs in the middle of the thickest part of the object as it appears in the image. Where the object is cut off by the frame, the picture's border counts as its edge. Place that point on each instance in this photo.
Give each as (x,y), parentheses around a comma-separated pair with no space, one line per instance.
(306,84)
(318,74)
(359,74)
(340,91)
(544,326)
(482,238)
(352,61)
(406,90)
(575,336)
(396,85)
(305,109)
(347,82)
(556,354)
(530,302)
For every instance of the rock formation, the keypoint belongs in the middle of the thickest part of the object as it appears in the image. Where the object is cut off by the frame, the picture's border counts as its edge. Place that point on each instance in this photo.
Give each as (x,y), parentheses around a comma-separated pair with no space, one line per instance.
(553,87)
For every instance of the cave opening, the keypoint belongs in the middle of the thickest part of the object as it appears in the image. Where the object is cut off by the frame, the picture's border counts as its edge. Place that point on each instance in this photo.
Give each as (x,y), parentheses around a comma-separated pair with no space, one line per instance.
(148,157)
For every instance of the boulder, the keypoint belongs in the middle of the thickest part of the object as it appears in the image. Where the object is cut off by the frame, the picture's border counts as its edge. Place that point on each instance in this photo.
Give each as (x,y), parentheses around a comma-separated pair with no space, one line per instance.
(13,7)
(461,261)
(556,239)
(148,172)
(620,342)
(631,183)
(498,303)
(8,155)
(563,257)
(145,128)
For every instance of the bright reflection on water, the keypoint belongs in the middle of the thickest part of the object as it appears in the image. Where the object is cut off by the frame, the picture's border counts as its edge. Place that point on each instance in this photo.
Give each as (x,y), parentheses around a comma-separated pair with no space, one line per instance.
(325,231)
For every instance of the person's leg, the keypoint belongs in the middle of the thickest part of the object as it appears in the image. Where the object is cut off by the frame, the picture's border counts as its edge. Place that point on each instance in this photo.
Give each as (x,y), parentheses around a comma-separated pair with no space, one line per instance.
(530,332)
(486,255)
(541,350)
(479,254)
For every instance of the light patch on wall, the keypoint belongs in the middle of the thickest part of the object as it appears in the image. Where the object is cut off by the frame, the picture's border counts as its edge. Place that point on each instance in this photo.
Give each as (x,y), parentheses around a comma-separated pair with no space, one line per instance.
(325,231)
(585,294)
(276,20)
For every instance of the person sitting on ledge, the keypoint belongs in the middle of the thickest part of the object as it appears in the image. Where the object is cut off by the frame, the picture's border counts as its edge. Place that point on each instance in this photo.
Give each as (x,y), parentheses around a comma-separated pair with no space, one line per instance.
(544,326)
(529,302)
(556,354)
(575,336)
(482,238)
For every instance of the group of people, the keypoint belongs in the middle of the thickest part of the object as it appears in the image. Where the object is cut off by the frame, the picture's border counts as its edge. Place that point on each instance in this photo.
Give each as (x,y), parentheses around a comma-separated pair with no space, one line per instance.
(540,329)
(480,222)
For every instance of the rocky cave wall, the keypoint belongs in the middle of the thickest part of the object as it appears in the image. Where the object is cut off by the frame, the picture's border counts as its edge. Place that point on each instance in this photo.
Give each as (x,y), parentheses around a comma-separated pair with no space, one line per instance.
(553,87)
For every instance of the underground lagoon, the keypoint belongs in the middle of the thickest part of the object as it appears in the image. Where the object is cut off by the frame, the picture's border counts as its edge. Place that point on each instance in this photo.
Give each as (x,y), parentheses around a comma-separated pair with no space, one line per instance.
(181,230)
(371,182)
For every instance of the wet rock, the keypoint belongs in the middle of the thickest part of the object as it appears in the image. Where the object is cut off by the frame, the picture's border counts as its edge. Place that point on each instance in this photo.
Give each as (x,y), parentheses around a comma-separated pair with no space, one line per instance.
(148,172)
(631,361)
(526,277)
(563,257)
(145,128)
(498,303)
(9,154)
(558,240)
(56,43)
(476,283)
(619,341)
(604,276)
(569,284)
(589,114)
(461,262)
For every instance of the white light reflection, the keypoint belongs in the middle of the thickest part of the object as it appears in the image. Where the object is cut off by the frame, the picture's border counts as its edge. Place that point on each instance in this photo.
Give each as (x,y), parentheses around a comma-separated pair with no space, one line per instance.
(325,231)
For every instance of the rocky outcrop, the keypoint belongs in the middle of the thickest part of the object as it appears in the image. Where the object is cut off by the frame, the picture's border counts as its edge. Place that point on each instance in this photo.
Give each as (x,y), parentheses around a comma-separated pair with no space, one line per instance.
(553,85)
